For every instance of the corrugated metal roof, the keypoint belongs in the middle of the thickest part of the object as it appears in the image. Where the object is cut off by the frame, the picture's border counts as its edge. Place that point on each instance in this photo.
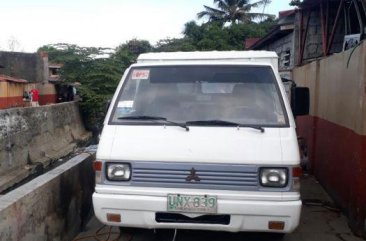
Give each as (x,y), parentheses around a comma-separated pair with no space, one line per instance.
(5,78)
(287,18)
(286,13)
(249,42)
(307,3)
(275,34)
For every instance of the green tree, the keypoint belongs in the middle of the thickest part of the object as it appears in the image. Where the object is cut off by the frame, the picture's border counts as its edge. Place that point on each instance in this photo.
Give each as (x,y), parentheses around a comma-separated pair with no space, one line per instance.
(174,45)
(207,37)
(99,80)
(98,70)
(233,11)
(295,2)
(211,36)
(128,52)
(63,52)
(97,73)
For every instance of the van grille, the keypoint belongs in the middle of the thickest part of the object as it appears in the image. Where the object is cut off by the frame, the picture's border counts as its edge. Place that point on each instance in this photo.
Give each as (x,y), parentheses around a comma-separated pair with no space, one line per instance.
(205,176)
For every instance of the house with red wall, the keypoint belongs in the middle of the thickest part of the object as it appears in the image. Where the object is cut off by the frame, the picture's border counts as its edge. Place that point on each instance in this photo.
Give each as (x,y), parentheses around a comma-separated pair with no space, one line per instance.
(11,92)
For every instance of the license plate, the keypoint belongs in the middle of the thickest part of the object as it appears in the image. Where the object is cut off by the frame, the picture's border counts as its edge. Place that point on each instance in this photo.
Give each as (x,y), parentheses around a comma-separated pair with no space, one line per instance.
(192,203)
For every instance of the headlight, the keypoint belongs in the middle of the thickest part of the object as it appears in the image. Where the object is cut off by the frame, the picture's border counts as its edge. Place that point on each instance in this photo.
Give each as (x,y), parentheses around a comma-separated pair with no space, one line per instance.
(118,171)
(273,177)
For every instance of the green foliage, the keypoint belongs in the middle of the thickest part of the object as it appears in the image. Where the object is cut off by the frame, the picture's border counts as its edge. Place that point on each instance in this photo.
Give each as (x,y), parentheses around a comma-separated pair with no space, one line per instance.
(99,80)
(62,52)
(98,70)
(127,53)
(234,11)
(174,45)
(211,36)
(295,3)
(97,75)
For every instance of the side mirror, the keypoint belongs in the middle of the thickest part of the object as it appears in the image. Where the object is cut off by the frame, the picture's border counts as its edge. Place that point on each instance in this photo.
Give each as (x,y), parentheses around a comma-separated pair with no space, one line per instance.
(300,101)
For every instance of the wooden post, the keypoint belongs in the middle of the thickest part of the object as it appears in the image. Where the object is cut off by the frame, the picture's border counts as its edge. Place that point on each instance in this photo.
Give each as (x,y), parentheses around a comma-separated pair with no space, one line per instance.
(331,39)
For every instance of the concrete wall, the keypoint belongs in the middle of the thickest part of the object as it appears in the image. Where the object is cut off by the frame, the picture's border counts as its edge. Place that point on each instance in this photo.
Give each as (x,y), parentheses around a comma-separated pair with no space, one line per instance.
(48,93)
(28,66)
(38,135)
(54,206)
(335,131)
(282,45)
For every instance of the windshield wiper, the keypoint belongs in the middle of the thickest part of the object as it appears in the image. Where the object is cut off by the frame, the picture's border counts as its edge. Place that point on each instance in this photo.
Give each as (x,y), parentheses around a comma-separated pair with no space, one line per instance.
(223,123)
(153,118)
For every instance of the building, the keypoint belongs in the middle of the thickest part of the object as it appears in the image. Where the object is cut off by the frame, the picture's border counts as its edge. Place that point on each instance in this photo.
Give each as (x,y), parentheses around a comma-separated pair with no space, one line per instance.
(327,55)
(29,66)
(318,28)
(281,39)
(32,67)
(11,92)
(54,72)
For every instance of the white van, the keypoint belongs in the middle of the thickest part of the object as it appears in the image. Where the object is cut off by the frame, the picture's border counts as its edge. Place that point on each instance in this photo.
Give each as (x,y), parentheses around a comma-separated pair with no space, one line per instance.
(201,140)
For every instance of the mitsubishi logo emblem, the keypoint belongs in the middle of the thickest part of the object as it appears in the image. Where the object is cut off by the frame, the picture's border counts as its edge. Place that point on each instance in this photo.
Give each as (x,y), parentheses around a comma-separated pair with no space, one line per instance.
(193,176)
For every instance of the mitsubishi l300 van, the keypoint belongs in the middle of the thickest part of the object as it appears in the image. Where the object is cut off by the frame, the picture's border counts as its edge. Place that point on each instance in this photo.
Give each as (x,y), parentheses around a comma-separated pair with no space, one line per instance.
(200,140)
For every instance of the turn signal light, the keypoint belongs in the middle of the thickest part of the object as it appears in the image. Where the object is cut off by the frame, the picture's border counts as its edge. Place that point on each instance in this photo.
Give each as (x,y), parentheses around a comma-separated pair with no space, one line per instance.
(296,172)
(276,225)
(113,217)
(97,165)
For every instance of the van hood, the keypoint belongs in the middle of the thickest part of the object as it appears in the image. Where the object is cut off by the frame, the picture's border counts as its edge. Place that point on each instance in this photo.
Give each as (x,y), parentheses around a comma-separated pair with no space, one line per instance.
(200,144)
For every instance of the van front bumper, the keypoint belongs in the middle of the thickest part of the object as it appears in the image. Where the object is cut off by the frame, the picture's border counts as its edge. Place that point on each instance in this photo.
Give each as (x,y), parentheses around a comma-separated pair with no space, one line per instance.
(245,215)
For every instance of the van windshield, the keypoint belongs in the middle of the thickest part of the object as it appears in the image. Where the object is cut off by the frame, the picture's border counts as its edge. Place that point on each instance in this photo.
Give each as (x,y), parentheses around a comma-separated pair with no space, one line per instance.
(248,95)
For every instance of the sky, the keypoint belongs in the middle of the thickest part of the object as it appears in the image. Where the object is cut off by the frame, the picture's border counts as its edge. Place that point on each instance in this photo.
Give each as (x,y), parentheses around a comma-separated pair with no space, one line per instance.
(29,24)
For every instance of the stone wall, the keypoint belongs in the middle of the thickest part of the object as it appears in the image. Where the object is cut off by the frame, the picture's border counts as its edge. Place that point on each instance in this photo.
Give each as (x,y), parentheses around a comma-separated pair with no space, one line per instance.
(54,206)
(38,135)
(28,66)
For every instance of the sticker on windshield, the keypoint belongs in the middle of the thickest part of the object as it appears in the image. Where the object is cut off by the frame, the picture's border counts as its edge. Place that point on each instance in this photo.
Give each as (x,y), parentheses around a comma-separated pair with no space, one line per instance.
(124,107)
(125,104)
(281,119)
(140,74)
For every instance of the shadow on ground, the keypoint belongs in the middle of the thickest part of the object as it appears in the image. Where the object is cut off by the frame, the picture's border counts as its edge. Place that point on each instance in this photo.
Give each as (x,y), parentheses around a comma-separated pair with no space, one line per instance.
(182,235)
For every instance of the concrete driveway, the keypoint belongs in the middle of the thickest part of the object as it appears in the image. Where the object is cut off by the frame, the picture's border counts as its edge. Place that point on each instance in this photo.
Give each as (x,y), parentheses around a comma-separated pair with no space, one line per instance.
(320,221)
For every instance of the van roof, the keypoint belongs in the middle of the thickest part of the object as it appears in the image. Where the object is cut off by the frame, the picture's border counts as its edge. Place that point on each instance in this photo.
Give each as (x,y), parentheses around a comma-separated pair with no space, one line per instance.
(209,55)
